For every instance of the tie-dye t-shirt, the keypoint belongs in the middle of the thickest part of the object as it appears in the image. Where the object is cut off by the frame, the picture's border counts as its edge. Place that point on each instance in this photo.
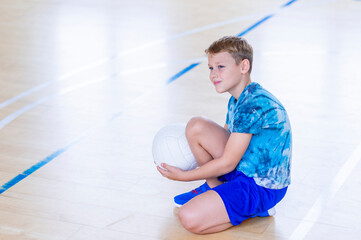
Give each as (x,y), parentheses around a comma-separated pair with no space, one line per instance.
(268,156)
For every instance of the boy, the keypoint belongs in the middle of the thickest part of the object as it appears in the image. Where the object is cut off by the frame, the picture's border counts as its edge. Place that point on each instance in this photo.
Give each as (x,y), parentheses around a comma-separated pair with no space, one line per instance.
(246,163)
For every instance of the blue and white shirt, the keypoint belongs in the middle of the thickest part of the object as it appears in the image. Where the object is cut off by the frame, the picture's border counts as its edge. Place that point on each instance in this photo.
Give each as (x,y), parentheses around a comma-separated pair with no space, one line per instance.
(268,156)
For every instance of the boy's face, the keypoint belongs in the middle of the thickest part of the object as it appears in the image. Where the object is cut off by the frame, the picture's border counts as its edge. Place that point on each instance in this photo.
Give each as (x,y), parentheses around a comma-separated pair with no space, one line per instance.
(225,74)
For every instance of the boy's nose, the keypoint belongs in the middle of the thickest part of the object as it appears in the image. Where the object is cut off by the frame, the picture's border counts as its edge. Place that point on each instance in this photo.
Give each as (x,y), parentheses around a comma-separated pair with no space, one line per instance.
(214,74)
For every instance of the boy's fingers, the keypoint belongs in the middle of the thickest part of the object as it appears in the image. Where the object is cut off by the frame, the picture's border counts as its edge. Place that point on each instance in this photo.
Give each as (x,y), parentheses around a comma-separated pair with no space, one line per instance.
(168,167)
(162,171)
(165,166)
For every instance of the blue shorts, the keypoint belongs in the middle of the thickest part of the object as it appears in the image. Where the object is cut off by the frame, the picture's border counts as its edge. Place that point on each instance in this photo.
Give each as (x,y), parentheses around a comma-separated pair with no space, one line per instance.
(243,198)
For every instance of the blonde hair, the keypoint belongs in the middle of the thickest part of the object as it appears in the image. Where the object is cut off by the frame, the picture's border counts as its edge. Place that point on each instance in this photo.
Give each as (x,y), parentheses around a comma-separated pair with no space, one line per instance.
(238,47)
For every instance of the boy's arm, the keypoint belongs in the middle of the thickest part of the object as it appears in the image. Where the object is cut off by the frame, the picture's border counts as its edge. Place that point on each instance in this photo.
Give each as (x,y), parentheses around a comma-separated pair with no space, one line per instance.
(236,146)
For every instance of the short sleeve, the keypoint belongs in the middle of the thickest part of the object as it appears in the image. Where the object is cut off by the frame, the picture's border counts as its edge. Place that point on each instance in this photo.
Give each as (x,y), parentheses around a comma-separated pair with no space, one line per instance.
(230,109)
(247,121)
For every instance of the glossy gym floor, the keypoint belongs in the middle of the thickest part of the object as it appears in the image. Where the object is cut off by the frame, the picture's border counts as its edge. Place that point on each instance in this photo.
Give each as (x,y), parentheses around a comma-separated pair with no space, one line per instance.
(85,85)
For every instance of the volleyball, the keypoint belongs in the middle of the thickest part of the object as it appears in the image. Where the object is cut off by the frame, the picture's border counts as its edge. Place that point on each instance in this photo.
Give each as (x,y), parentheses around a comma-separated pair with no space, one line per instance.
(170,146)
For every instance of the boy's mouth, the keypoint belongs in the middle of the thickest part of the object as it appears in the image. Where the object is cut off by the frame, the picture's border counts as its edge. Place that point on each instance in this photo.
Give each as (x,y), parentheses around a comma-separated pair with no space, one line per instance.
(216,82)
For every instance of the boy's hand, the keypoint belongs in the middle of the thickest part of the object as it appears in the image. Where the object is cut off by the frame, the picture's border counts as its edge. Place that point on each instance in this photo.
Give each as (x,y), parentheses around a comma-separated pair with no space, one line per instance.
(172,172)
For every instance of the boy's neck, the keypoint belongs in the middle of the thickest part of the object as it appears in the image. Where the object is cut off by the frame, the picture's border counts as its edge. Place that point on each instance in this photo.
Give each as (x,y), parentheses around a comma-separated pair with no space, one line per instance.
(242,85)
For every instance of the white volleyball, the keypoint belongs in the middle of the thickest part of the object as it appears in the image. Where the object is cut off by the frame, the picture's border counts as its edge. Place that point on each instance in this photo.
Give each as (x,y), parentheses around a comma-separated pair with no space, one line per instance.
(170,146)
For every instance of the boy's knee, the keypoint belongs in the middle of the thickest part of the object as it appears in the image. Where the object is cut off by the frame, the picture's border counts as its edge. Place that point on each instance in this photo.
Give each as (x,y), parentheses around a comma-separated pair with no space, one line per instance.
(189,220)
(195,126)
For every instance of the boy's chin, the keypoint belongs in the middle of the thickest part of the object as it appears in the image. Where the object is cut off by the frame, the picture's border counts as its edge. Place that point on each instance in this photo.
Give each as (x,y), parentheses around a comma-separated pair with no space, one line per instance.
(220,90)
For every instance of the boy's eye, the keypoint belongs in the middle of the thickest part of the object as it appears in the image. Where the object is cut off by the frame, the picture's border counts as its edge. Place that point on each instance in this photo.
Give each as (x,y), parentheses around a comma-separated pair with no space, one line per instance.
(220,66)
(210,68)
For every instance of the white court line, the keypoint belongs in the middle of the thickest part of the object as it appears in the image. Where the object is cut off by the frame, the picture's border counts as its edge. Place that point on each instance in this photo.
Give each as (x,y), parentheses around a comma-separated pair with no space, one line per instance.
(150,44)
(5,121)
(108,59)
(323,200)
(11,117)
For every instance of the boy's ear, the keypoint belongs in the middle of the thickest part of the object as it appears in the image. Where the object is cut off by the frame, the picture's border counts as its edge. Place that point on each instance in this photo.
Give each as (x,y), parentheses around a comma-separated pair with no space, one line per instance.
(245,65)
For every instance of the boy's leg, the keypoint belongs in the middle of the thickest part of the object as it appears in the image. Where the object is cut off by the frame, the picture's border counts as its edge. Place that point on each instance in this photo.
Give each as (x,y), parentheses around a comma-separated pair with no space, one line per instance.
(207,141)
(205,214)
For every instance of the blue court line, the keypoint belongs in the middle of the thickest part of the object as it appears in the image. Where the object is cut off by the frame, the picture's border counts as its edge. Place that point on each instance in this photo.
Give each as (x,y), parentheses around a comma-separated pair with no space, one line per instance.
(31,170)
(193,65)
(255,25)
(122,53)
(57,153)
(182,72)
(289,3)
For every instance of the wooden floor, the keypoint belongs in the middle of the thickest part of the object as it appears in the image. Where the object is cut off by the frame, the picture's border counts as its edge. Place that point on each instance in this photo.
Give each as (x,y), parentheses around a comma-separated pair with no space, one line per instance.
(85,85)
